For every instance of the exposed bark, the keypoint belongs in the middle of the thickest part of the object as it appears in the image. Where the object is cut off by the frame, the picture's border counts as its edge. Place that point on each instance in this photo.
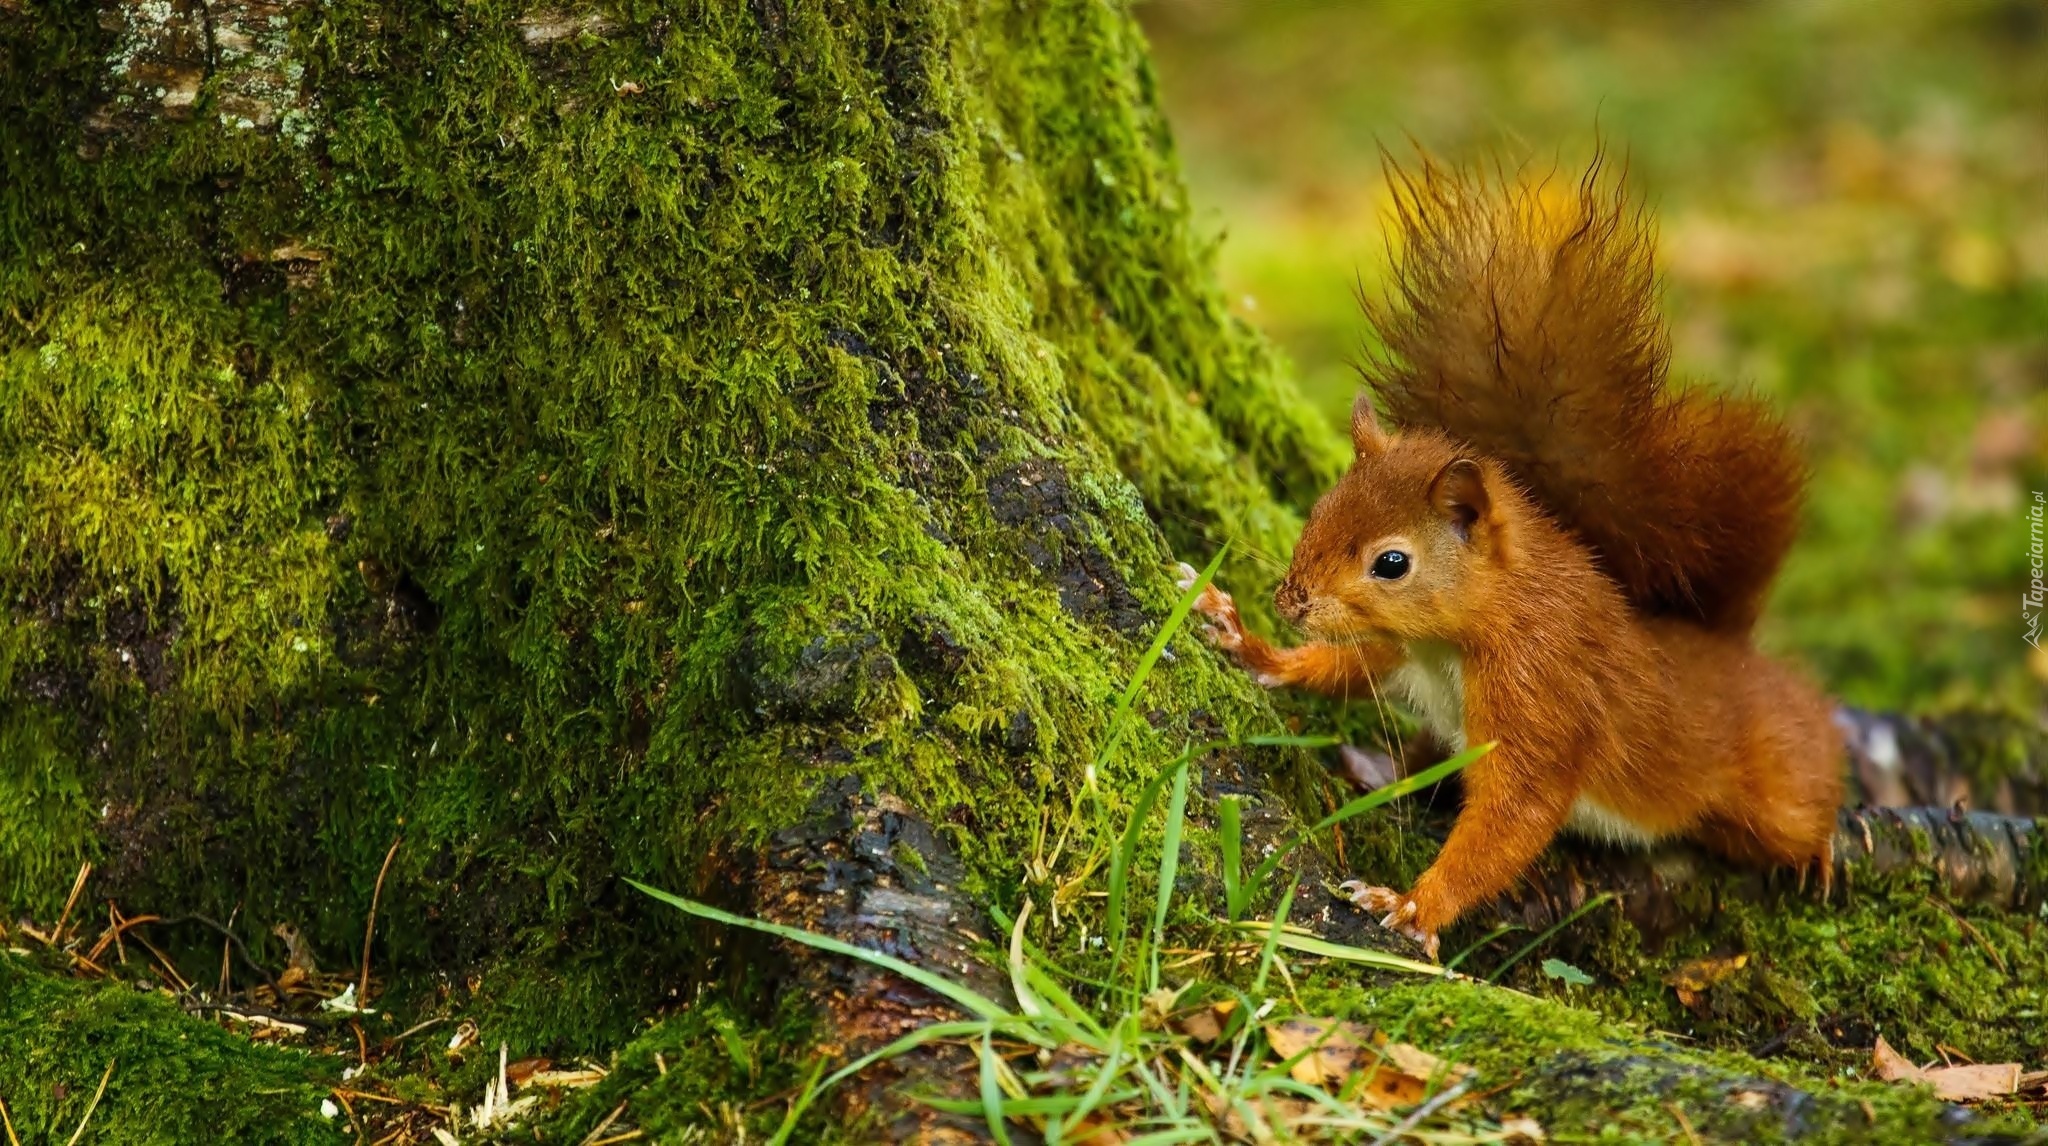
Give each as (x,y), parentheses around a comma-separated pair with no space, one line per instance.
(1978,857)
(1984,760)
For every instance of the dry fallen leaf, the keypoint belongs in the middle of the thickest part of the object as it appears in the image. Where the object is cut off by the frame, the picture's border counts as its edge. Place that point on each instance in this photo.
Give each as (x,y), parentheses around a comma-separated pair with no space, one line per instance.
(1206,1025)
(1341,1050)
(1386,1088)
(519,1072)
(1418,1062)
(1890,1065)
(1692,980)
(1975,1082)
(1270,1111)
(1970,1082)
(564,1079)
(1394,1074)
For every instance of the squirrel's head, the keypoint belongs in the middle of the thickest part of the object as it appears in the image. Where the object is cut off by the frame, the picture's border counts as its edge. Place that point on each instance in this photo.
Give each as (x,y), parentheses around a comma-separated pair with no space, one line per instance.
(1407,545)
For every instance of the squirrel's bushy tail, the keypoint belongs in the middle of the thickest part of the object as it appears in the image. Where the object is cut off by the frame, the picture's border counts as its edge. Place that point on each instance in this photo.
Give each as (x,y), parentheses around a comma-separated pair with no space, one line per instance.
(1522,319)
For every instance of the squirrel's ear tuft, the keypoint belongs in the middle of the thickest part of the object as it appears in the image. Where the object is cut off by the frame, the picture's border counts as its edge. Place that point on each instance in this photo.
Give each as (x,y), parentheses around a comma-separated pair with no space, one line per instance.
(1366,436)
(1458,493)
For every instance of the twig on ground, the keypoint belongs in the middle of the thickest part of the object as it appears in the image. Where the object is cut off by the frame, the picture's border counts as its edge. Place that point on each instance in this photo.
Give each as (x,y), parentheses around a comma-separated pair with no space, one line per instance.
(1973,933)
(342,1091)
(164,963)
(1684,1123)
(597,1132)
(354,1123)
(95,1103)
(370,926)
(276,991)
(70,901)
(116,924)
(259,1014)
(416,1028)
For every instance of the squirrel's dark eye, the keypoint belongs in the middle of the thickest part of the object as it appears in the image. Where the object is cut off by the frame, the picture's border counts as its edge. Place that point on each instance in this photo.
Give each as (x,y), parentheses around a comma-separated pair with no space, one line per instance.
(1390,566)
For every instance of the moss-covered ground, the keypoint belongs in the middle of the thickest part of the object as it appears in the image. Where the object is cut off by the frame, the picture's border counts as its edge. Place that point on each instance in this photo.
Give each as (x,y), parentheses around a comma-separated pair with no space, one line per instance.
(168,1077)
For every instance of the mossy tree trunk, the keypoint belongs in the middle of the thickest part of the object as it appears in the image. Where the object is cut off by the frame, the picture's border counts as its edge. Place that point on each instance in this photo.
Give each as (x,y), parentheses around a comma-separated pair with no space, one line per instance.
(569,440)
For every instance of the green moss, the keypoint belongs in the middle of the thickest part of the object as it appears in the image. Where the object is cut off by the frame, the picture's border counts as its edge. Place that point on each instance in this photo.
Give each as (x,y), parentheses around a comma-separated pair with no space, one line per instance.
(708,1069)
(175,1078)
(1821,981)
(1584,1078)
(565,453)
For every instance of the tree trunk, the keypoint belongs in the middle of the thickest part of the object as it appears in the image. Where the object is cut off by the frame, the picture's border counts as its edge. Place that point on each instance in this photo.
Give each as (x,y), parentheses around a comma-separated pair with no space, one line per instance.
(570,441)
(743,447)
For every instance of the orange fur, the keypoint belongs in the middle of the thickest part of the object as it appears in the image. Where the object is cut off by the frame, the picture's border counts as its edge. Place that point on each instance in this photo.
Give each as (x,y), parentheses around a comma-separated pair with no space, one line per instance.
(1523,322)
(1601,638)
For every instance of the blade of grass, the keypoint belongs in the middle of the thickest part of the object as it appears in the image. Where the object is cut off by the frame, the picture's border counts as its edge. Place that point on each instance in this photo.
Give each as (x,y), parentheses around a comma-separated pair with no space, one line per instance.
(1119,719)
(992,1092)
(803,1102)
(1292,741)
(1363,804)
(1126,852)
(1271,950)
(1169,864)
(1230,840)
(1169,1137)
(968,1000)
(1026,1001)
(1553,929)
(917,1038)
(1037,955)
(1098,1091)
(1504,929)
(1071,1020)
(1053,1104)
(1316,945)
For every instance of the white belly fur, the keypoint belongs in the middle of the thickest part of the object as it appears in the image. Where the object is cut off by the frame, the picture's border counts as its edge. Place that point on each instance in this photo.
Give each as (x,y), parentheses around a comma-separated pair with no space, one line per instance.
(1596,821)
(1431,681)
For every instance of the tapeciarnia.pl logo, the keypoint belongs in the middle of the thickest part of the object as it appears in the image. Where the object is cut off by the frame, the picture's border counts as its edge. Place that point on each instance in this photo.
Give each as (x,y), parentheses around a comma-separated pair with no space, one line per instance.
(2037,591)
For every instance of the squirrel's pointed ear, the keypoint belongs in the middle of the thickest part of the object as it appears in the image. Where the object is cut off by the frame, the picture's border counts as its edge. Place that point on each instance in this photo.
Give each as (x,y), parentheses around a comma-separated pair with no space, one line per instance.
(1366,437)
(1459,494)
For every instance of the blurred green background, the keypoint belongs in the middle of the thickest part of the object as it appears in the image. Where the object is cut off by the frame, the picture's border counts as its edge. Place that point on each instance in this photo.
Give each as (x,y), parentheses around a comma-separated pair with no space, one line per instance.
(1853,198)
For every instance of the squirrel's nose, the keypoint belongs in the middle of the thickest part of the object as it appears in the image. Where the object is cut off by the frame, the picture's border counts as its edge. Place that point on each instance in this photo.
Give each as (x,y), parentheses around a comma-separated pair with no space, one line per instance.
(1291,600)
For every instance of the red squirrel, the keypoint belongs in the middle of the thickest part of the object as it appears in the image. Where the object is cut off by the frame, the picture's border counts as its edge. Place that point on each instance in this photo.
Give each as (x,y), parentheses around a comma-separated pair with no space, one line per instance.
(1551,549)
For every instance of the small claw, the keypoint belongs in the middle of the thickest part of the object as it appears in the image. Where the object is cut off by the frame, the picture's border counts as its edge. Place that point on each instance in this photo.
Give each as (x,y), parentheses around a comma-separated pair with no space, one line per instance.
(1188,576)
(1429,943)
(1396,911)
(1373,900)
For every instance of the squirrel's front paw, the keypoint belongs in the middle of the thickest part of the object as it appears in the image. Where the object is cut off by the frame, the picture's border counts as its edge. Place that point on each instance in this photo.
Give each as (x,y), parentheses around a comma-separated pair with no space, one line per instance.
(1224,630)
(1397,912)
